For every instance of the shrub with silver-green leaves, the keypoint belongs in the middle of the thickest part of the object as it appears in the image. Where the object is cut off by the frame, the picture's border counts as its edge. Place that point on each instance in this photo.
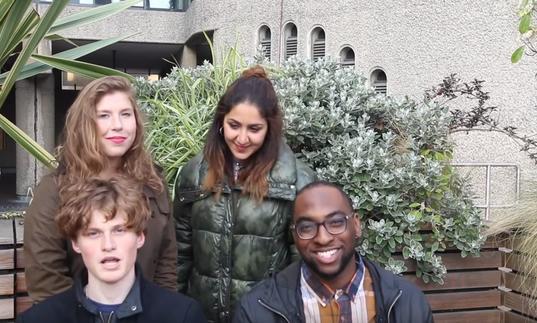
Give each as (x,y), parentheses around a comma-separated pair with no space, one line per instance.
(391,156)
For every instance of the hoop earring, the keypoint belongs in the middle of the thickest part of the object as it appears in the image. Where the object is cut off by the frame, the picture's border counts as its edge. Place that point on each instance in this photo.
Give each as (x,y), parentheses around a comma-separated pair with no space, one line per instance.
(221,130)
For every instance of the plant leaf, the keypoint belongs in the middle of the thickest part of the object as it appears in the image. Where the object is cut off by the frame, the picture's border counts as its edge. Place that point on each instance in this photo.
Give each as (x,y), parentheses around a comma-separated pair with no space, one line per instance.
(517,54)
(525,22)
(35,68)
(81,68)
(14,16)
(23,30)
(27,143)
(4,9)
(42,28)
(60,37)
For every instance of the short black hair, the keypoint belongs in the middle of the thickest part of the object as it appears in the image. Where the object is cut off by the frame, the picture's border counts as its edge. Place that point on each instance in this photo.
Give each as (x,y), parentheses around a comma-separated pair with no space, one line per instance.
(321,183)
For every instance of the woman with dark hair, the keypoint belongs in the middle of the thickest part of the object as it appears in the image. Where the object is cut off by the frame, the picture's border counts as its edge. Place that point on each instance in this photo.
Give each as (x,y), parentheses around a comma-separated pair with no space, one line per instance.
(233,201)
(103,137)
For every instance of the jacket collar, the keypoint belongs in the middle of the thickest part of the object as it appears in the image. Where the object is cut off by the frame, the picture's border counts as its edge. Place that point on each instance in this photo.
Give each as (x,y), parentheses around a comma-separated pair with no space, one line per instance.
(132,304)
(385,286)
(281,178)
(283,293)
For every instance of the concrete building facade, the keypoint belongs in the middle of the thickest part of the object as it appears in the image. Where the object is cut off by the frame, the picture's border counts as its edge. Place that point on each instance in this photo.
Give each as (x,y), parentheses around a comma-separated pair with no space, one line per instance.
(406,45)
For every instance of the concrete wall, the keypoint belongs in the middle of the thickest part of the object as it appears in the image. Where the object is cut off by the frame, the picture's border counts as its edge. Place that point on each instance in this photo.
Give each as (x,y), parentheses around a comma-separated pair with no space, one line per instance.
(416,42)
(152,26)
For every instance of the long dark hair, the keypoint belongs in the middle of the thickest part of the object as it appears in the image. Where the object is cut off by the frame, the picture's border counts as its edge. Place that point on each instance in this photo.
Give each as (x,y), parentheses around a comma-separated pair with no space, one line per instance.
(255,88)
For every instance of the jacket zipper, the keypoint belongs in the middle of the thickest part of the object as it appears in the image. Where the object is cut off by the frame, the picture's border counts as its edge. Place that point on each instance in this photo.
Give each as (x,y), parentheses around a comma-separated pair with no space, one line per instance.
(233,210)
(393,303)
(109,317)
(273,310)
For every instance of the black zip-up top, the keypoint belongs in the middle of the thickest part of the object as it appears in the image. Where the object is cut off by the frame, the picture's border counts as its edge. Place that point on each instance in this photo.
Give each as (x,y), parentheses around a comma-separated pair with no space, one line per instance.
(145,303)
(131,306)
(278,299)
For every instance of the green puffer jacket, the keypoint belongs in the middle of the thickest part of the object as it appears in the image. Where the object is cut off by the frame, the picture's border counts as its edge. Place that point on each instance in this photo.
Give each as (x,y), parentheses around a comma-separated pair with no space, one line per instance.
(226,246)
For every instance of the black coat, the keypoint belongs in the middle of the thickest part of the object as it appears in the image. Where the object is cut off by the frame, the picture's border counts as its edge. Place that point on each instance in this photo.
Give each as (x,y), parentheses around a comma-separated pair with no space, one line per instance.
(278,299)
(145,303)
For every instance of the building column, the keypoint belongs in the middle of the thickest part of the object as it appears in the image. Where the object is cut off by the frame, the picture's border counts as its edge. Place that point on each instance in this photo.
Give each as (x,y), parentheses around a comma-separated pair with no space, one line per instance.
(188,58)
(35,116)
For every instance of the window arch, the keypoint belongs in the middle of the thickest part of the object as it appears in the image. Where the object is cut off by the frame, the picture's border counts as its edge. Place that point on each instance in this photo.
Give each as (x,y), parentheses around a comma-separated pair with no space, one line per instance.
(379,81)
(265,41)
(318,43)
(346,57)
(290,33)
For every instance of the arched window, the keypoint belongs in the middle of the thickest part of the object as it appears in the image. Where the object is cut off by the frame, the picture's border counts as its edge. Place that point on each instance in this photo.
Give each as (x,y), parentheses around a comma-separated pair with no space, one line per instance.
(318,43)
(291,41)
(346,57)
(264,37)
(379,81)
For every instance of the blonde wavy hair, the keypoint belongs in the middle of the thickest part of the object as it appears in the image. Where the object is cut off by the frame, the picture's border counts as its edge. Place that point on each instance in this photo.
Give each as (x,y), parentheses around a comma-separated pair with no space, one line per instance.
(81,156)
(110,197)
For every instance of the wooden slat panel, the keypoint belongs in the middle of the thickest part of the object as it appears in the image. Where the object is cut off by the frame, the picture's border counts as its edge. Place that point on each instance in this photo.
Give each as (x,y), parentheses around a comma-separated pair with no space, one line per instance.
(486,259)
(515,261)
(518,302)
(481,316)
(6,306)
(6,258)
(464,300)
(6,309)
(520,283)
(454,261)
(462,280)
(6,284)
(6,231)
(512,317)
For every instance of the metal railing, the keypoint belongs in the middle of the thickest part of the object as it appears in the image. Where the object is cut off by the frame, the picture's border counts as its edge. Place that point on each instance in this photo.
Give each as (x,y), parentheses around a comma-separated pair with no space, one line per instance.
(488,205)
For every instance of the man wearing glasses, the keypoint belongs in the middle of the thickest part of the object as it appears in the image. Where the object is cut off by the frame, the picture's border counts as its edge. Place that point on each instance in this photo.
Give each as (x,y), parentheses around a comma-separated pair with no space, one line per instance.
(332,282)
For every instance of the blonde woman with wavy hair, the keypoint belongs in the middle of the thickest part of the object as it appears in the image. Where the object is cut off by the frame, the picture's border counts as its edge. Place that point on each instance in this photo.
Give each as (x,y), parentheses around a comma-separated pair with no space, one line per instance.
(102,137)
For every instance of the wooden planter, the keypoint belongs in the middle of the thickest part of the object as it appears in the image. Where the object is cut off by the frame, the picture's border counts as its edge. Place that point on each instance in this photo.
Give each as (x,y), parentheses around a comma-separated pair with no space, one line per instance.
(470,291)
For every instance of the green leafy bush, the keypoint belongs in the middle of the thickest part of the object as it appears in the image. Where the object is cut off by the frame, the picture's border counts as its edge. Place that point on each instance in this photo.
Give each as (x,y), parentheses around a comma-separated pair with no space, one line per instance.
(391,156)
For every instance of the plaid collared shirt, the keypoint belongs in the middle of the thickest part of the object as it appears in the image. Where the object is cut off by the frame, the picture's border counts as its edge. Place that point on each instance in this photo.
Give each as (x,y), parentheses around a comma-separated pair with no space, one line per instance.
(354,304)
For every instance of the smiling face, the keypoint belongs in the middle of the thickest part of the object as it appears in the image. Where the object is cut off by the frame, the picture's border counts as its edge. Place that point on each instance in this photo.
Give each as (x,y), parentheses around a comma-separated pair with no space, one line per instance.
(116,124)
(244,130)
(330,257)
(108,249)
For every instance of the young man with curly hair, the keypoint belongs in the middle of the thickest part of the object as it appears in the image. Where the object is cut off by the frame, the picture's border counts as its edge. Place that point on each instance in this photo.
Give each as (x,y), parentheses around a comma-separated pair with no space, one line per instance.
(104,220)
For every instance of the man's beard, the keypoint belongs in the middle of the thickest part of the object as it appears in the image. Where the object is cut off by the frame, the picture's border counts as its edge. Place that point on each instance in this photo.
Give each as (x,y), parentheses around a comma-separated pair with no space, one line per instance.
(345,260)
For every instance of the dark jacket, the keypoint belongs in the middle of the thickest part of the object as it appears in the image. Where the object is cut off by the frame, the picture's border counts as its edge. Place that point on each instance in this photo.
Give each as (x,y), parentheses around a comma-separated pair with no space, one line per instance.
(145,303)
(278,299)
(226,246)
(51,262)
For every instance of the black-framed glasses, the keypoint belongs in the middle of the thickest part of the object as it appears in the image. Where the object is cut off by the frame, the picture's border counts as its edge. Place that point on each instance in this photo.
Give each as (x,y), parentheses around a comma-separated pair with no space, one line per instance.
(306,229)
